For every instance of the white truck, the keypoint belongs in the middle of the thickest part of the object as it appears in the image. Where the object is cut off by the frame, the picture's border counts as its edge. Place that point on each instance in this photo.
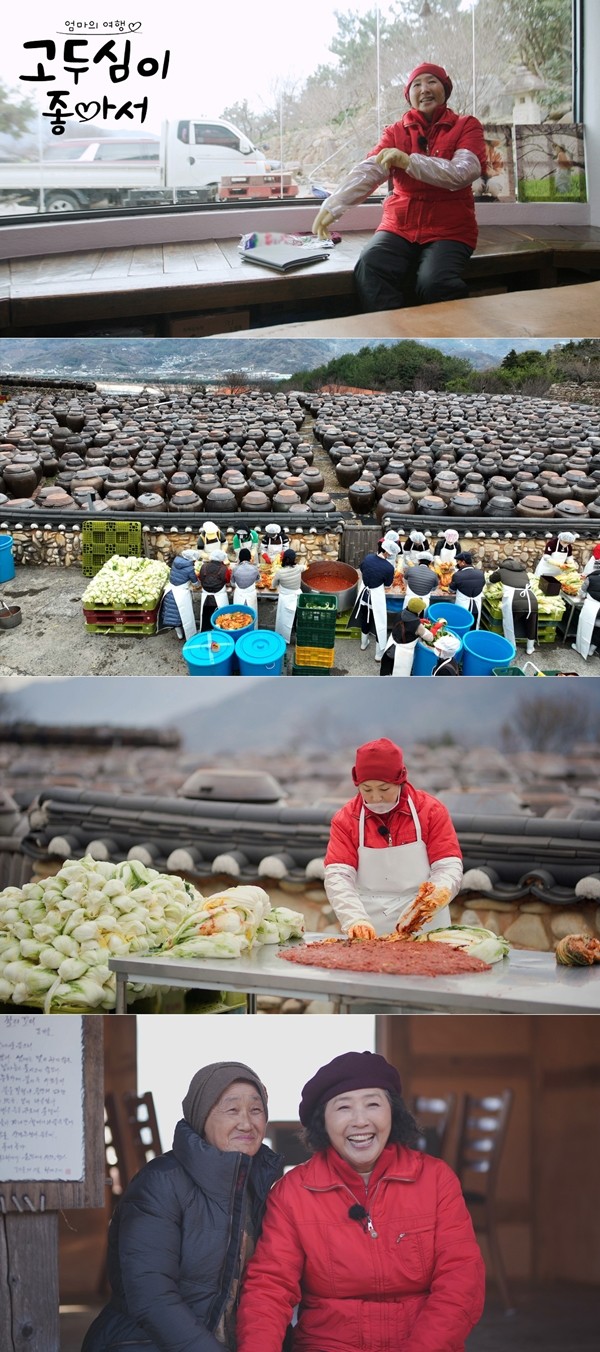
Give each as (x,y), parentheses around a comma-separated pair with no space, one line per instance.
(185,164)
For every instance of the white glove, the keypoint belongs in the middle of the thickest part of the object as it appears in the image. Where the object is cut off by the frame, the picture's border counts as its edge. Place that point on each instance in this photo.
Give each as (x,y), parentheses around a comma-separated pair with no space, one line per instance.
(392,159)
(321,223)
(342,894)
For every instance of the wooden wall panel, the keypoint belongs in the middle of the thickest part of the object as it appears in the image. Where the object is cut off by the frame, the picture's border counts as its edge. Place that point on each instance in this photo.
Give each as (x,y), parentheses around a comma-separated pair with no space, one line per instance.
(549,1183)
(82,1234)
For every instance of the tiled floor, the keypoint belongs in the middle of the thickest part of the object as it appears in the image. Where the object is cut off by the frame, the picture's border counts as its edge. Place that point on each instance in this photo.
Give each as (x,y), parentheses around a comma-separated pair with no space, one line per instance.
(557,1319)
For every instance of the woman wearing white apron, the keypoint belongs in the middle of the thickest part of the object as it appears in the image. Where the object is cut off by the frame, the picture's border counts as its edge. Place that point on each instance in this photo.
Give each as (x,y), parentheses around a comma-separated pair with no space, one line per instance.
(518,600)
(275,541)
(177,611)
(592,561)
(557,553)
(400,649)
(210,540)
(448,548)
(244,577)
(287,582)
(214,576)
(389,847)
(370,608)
(589,613)
(467,585)
(416,549)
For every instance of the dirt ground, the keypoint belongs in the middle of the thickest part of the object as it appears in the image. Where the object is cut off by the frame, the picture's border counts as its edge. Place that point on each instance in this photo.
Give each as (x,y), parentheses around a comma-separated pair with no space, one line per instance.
(52,641)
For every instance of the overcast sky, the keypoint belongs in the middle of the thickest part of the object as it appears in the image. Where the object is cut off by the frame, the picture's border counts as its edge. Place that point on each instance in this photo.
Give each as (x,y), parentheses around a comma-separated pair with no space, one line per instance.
(219,55)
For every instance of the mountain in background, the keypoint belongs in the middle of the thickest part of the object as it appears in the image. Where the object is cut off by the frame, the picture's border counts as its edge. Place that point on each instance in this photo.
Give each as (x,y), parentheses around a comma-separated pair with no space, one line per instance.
(225,716)
(205,359)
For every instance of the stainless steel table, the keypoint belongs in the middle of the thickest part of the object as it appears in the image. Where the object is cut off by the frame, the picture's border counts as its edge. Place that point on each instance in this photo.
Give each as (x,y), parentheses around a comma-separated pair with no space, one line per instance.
(525,983)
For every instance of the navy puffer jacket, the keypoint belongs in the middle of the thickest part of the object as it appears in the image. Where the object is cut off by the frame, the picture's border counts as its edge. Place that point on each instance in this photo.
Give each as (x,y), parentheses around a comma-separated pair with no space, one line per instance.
(174,1242)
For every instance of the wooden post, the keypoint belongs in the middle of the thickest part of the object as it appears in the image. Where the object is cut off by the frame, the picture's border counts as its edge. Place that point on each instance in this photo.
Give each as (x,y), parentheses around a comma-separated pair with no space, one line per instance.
(29,1302)
(51,1158)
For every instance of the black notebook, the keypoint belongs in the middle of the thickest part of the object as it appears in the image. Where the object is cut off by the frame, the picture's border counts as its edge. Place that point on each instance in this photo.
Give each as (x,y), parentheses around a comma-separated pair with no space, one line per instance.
(284,257)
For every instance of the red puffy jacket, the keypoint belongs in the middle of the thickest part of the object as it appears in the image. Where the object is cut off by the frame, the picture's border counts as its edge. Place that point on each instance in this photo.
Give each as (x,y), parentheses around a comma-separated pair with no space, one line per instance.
(418,211)
(417,1287)
(438,833)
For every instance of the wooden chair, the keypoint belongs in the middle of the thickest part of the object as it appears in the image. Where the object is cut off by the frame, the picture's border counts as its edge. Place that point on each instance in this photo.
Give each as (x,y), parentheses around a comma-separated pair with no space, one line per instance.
(117,1174)
(434,1116)
(141,1126)
(284,1138)
(481,1138)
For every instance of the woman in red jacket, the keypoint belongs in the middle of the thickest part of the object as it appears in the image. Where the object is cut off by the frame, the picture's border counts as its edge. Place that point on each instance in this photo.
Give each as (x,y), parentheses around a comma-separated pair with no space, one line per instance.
(428,230)
(393,858)
(371,1238)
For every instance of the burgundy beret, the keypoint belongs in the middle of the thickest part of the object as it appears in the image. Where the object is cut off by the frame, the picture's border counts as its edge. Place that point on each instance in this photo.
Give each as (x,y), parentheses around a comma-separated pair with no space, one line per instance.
(428,68)
(352,1070)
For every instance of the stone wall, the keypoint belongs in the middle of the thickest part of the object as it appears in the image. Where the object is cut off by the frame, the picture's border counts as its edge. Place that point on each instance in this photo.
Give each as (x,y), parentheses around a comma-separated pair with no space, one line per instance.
(63,547)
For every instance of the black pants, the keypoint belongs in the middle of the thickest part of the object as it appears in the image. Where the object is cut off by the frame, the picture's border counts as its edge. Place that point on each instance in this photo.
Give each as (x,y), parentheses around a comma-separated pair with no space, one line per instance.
(391,269)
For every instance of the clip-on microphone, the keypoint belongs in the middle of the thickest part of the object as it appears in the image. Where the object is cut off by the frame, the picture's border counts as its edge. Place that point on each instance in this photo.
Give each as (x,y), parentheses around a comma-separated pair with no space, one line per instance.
(359,1213)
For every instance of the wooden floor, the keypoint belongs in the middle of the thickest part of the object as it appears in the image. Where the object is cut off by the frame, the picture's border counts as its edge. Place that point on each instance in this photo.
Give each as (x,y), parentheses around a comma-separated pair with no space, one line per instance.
(557,312)
(207,287)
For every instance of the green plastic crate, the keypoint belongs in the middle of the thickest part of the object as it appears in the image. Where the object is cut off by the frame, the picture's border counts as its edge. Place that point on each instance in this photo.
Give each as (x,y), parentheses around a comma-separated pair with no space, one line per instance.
(546,628)
(102,539)
(120,628)
(310,671)
(316,616)
(343,628)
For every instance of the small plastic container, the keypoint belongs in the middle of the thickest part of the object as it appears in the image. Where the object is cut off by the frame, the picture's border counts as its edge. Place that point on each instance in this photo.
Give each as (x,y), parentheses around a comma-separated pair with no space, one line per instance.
(484,653)
(261,653)
(209,654)
(7,562)
(458,620)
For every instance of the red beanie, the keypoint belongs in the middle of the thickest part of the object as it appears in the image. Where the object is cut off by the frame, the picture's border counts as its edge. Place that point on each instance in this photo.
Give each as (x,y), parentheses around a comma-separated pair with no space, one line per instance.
(352,1070)
(596,551)
(428,68)
(381,760)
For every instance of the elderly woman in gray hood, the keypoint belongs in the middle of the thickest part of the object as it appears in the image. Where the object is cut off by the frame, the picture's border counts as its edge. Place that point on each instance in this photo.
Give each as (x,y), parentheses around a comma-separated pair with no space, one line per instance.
(187,1224)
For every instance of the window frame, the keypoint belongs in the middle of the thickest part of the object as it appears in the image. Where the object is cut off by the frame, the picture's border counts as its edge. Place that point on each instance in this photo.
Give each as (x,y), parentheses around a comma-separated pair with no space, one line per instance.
(112,227)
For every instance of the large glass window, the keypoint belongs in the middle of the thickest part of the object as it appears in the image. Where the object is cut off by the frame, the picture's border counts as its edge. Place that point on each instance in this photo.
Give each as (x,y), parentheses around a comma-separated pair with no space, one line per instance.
(281,104)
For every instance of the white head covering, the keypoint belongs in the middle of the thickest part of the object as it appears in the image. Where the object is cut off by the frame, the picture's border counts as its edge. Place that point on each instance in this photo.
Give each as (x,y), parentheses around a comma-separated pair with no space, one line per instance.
(220,556)
(417,537)
(272,529)
(451,536)
(566,537)
(390,549)
(210,525)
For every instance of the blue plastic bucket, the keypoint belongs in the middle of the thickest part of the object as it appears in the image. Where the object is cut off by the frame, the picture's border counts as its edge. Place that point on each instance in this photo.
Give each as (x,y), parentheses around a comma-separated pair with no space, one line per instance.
(235,634)
(7,562)
(209,654)
(261,653)
(426,659)
(458,620)
(484,651)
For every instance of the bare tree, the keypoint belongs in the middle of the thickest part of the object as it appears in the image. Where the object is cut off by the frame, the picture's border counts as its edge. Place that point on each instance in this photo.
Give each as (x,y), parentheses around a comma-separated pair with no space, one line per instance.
(548,723)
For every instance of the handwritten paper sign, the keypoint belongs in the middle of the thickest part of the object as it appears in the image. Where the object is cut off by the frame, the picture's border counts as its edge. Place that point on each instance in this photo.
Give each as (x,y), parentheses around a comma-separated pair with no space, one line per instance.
(41,1098)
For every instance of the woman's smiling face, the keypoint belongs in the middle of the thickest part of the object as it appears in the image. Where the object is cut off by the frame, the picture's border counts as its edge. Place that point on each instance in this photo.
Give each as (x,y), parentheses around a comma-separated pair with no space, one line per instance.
(238,1120)
(426,93)
(358,1124)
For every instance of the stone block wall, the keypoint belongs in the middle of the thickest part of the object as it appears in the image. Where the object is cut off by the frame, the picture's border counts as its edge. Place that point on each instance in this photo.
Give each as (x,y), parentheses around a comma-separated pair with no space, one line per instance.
(58,547)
